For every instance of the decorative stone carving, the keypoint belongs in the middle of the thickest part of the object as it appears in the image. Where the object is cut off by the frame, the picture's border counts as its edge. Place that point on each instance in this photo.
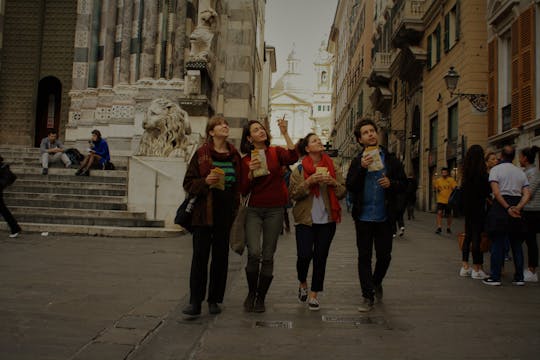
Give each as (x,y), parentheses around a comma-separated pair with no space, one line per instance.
(201,38)
(193,82)
(166,130)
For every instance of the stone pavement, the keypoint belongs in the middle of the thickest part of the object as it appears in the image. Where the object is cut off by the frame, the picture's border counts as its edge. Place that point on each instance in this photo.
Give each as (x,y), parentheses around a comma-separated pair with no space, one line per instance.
(103,298)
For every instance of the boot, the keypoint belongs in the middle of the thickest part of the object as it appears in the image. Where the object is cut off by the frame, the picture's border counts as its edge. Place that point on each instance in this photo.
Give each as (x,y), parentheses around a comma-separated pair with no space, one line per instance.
(252,279)
(264,284)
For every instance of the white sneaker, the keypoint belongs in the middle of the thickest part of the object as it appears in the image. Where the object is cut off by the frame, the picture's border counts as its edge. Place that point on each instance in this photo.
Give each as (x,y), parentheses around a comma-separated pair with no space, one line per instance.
(14,235)
(479,275)
(465,272)
(401,231)
(530,276)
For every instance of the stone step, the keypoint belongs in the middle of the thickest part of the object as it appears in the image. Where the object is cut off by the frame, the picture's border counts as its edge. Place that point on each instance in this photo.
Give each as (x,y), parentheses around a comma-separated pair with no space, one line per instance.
(8,194)
(111,231)
(36,170)
(44,188)
(53,218)
(37,163)
(45,181)
(92,179)
(14,199)
(30,210)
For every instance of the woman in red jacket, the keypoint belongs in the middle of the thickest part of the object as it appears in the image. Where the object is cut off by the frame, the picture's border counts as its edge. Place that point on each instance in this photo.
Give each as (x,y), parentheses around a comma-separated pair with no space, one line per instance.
(268,196)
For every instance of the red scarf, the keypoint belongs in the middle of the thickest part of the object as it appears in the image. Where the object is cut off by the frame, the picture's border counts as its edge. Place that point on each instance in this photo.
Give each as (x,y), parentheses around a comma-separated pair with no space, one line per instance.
(309,169)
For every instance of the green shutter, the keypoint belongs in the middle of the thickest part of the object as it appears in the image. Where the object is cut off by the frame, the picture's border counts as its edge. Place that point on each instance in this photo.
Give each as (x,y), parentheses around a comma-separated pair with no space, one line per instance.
(360,111)
(458,19)
(429,50)
(438,40)
(447,32)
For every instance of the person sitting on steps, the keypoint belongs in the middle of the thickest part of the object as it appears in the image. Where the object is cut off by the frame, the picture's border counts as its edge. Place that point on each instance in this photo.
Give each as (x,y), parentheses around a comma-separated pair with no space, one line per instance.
(98,155)
(52,150)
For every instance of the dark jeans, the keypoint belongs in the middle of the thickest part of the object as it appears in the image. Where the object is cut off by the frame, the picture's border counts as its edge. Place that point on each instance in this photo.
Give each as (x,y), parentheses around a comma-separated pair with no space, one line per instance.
(498,250)
(213,239)
(367,235)
(313,242)
(532,249)
(6,214)
(473,231)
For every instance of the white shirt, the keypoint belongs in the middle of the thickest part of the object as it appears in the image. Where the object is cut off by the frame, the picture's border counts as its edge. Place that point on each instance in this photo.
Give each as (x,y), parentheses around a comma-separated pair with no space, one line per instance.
(319,215)
(510,178)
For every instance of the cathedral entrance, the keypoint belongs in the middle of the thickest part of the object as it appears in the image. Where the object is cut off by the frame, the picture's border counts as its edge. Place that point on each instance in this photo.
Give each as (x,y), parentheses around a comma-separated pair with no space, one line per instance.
(49,101)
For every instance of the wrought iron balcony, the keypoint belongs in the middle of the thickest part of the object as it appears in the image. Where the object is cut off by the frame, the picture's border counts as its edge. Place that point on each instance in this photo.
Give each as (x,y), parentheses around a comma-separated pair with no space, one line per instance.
(407,23)
(451,149)
(507,117)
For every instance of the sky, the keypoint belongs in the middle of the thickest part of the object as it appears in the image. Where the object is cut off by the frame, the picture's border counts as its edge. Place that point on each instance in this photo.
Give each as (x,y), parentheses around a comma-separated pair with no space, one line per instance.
(302,22)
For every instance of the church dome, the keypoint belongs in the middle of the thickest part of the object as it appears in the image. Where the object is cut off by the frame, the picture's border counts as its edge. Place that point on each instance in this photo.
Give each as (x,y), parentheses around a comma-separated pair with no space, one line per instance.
(292,80)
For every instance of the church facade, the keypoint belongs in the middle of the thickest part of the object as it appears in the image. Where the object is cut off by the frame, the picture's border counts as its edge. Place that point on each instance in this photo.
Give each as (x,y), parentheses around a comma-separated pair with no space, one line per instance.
(79,65)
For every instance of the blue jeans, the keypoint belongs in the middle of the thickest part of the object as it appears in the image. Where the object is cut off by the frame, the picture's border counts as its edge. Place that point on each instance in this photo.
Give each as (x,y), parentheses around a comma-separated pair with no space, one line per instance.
(313,242)
(269,223)
(498,251)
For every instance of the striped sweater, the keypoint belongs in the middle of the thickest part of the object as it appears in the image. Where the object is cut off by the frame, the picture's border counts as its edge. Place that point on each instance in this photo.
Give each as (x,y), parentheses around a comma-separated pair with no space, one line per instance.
(533,175)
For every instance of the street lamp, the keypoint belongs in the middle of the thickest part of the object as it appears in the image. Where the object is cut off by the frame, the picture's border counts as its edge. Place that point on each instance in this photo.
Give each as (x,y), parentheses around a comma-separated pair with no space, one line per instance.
(479,101)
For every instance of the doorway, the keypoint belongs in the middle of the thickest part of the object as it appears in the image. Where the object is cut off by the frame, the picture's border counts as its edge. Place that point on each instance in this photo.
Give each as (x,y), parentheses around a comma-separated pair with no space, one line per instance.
(49,102)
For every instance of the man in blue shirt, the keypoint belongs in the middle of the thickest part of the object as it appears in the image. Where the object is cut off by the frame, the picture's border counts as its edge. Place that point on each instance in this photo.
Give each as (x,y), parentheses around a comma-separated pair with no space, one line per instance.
(374,179)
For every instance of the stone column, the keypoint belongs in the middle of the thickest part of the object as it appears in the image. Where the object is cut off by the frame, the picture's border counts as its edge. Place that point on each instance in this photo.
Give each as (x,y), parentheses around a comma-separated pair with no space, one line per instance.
(123,42)
(106,43)
(149,36)
(2,11)
(179,40)
(135,41)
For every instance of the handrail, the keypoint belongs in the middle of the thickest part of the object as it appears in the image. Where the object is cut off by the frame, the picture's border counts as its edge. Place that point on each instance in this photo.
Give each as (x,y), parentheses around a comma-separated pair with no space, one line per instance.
(152,167)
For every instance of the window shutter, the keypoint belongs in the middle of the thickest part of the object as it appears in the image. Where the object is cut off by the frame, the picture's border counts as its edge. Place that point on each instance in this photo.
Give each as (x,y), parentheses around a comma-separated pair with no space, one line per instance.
(458,19)
(438,39)
(515,74)
(447,32)
(429,51)
(493,87)
(526,66)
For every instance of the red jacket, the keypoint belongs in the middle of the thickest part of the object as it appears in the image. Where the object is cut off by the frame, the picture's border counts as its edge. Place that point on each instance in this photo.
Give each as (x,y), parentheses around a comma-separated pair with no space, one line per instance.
(269,190)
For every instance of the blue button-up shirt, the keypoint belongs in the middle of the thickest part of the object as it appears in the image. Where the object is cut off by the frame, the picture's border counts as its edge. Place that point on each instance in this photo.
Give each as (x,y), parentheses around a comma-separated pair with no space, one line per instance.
(373,207)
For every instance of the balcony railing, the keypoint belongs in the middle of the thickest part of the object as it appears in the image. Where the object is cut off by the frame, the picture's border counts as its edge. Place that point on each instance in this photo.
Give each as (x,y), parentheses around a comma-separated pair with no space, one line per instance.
(408,16)
(507,117)
(451,149)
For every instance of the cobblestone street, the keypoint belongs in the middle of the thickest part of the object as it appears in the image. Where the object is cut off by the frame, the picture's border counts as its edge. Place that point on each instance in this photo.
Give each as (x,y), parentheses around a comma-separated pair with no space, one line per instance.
(103,298)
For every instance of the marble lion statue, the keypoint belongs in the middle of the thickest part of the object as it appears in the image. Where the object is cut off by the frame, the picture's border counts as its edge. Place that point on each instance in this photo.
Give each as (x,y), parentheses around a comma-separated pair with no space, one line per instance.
(201,37)
(166,130)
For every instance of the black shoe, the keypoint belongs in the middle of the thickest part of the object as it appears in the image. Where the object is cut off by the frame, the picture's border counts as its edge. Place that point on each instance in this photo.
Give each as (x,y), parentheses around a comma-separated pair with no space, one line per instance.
(78,172)
(192,311)
(367,305)
(378,292)
(448,231)
(45,171)
(214,309)
(85,172)
(252,280)
(438,231)
(262,289)
(302,294)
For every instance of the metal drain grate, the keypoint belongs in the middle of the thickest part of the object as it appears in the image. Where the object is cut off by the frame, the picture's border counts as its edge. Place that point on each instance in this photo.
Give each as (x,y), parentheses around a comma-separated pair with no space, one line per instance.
(274,324)
(354,320)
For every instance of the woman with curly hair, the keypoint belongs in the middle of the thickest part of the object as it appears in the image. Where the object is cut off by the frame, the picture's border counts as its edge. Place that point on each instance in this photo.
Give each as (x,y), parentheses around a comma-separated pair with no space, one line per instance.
(476,191)
(264,215)
(213,214)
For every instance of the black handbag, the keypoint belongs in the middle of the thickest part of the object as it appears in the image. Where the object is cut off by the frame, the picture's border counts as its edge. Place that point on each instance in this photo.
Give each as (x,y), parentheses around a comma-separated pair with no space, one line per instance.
(185,212)
(7,177)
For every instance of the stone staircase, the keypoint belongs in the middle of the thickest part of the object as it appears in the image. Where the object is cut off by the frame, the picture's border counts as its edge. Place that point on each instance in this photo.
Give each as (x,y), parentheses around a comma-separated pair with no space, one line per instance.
(64,203)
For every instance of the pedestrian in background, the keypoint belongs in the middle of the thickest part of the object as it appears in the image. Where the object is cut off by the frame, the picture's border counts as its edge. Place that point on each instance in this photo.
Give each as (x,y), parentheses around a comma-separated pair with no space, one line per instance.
(476,191)
(531,211)
(316,187)
(510,189)
(264,215)
(374,179)
(412,186)
(14,227)
(98,155)
(443,187)
(52,150)
(213,214)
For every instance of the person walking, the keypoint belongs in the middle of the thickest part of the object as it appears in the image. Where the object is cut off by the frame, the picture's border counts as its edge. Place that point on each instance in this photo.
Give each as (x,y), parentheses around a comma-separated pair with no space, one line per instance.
(443,186)
(14,227)
(412,186)
(531,211)
(52,150)
(213,214)
(374,179)
(98,155)
(316,186)
(476,191)
(262,178)
(510,189)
